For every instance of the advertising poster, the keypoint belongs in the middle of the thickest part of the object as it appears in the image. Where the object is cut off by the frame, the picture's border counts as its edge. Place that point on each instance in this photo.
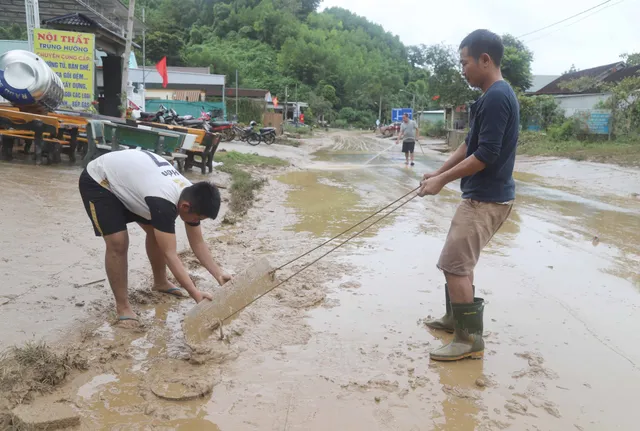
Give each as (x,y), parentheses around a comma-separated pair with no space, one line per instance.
(71,56)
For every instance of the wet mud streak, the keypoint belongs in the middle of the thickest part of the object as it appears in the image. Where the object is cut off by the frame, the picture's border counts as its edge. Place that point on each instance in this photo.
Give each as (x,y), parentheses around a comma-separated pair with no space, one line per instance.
(595,335)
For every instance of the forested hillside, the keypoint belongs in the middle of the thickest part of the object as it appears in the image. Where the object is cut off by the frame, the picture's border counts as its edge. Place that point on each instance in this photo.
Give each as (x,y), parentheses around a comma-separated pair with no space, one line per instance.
(341,63)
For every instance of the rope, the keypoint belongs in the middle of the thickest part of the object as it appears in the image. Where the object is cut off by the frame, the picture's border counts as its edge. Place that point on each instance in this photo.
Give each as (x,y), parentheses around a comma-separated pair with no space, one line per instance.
(351,228)
(332,250)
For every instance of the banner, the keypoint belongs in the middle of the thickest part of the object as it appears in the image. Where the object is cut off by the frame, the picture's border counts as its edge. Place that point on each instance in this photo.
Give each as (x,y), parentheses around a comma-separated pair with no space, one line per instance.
(71,56)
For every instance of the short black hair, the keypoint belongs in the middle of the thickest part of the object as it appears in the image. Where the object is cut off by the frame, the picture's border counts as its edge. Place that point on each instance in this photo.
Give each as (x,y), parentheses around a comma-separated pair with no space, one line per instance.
(204,199)
(481,42)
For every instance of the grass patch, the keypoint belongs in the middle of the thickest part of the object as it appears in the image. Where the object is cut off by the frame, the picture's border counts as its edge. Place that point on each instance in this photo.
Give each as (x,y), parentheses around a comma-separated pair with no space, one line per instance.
(623,151)
(301,130)
(286,141)
(235,158)
(35,367)
(243,185)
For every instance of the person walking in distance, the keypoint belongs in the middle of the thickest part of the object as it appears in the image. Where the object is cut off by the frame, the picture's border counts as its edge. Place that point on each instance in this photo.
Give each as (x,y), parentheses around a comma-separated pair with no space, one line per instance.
(485,164)
(409,134)
(128,186)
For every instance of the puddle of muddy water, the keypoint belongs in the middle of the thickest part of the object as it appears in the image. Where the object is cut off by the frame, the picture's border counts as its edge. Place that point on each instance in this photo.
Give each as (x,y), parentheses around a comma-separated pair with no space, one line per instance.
(550,301)
(367,362)
(326,204)
(557,323)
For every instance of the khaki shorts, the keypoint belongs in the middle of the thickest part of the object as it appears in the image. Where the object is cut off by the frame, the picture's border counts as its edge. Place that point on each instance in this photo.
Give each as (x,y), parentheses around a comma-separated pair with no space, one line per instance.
(473,225)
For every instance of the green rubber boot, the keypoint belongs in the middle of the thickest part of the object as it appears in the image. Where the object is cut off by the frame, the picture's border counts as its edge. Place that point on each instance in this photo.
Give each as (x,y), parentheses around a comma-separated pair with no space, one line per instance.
(445,323)
(467,337)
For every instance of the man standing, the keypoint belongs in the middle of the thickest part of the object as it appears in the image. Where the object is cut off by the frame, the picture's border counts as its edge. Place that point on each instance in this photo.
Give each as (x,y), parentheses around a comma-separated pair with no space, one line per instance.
(485,163)
(409,133)
(128,186)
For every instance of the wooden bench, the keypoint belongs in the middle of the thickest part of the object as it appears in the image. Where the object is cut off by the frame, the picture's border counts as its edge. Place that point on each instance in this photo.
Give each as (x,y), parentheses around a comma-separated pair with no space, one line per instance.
(46,132)
(200,153)
(205,152)
(96,143)
(104,136)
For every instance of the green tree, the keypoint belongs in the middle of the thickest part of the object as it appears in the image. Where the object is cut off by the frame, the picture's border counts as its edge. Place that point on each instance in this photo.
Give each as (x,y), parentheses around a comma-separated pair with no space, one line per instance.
(13,32)
(516,62)
(631,59)
(160,44)
(446,80)
(539,110)
(320,106)
(572,69)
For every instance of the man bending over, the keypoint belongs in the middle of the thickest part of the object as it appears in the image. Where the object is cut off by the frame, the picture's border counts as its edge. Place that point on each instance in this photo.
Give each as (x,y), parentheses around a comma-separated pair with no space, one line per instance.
(128,186)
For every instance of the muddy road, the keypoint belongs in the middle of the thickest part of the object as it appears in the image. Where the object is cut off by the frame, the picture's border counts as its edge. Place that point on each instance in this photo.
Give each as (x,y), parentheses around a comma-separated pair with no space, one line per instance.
(342,346)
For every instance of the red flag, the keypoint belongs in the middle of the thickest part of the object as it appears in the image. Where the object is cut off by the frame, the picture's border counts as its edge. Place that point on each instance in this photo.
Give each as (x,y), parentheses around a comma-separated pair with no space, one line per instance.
(161,67)
(435,98)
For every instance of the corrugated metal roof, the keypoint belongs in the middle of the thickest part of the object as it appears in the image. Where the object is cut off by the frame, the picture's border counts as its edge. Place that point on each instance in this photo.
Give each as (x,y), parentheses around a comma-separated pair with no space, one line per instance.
(204,70)
(188,95)
(594,72)
(211,90)
(76,19)
(627,72)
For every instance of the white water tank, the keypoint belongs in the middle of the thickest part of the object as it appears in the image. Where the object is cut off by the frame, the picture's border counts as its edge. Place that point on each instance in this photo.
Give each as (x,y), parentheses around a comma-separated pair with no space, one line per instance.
(26,79)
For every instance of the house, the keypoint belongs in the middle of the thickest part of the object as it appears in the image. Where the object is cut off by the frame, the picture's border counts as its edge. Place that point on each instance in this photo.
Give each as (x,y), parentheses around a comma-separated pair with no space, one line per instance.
(431,116)
(574,100)
(539,81)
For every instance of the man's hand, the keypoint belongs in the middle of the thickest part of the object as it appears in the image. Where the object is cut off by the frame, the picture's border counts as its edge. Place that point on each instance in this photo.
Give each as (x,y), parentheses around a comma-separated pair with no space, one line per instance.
(223,278)
(428,175)
(431,186)
(200,296)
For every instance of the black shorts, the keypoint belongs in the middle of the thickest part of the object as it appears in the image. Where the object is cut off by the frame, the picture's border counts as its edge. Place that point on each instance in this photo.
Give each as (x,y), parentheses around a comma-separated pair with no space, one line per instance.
(408,146)
(108,215)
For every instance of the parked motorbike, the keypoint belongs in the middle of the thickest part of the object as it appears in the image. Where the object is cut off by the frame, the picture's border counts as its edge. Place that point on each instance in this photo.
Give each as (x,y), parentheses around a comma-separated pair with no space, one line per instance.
(265,134)
(225,128)
(154,117)
(242,133)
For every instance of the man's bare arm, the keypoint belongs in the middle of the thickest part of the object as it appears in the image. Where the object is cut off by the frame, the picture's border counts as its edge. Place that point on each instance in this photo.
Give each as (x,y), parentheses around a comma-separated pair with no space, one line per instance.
(167,243)
(467,167)
(458,156)
(202,252)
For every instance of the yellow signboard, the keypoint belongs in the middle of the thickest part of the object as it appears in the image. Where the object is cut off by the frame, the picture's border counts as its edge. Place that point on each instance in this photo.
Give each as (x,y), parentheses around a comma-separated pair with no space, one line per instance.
(71,56)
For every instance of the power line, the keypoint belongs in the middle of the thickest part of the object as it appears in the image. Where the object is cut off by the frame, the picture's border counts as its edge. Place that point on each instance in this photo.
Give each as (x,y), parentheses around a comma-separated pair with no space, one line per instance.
(566,19)
(572,23)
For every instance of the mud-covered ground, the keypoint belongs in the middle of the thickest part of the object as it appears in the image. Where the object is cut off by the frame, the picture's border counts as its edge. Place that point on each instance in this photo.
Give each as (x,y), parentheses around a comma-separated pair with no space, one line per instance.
(342,345)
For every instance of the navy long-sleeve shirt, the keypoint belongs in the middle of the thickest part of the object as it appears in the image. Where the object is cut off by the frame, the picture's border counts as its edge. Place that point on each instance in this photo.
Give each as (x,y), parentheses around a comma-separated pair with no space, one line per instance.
(493,138)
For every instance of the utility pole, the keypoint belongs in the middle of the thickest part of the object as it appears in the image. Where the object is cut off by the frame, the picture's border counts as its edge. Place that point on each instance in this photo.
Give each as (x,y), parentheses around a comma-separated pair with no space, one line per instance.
(380,110)
(413,107)
(33,19)
(286,106)
(127,53)
(224,100)
(144,61)
(236,94)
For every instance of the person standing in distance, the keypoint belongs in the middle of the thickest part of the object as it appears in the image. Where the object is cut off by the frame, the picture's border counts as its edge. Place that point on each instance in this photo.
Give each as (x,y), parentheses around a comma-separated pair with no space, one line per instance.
(409,134)
(485,164)
(138,186)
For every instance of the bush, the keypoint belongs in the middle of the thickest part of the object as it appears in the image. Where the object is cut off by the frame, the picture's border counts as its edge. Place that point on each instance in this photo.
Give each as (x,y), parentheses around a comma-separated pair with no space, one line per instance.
(360,119)
(348,114)
(435,130)
(569,129)
(542,111)
(340,123)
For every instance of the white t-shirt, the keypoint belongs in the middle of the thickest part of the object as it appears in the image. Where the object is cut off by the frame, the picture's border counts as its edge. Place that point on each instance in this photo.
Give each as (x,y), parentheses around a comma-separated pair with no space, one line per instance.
(140,180)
